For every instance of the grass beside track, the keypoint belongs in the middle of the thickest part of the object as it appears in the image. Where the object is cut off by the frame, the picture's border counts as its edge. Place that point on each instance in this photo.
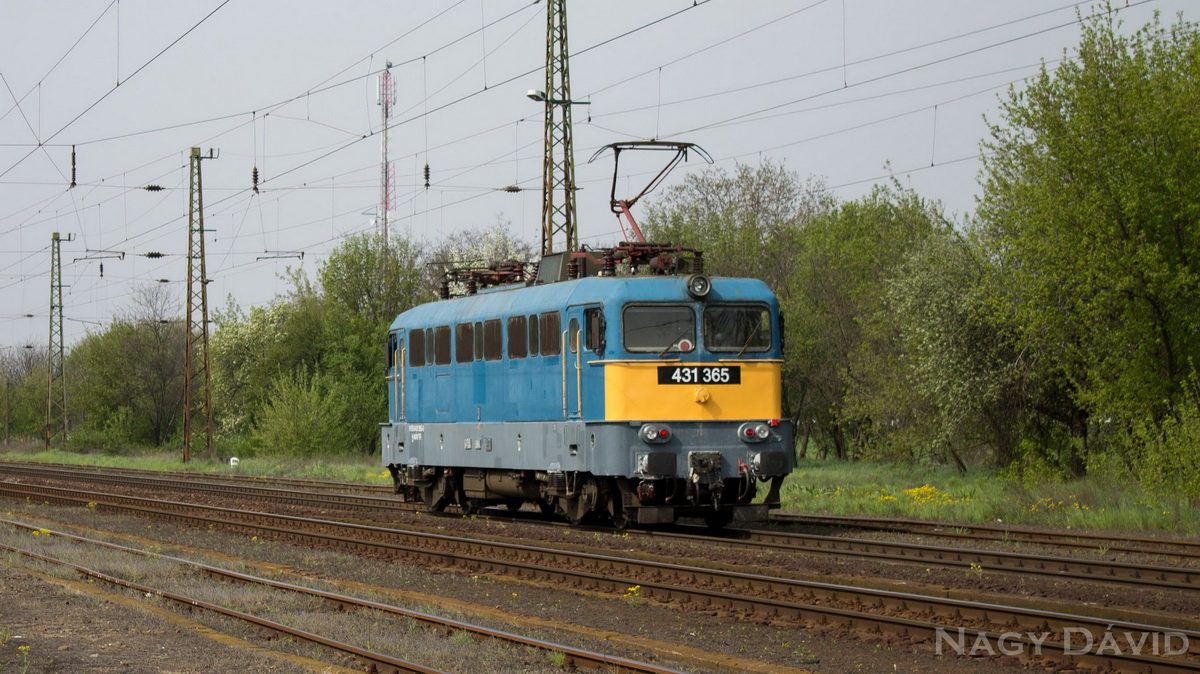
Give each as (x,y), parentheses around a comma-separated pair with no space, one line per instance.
(934,493)
(818,487)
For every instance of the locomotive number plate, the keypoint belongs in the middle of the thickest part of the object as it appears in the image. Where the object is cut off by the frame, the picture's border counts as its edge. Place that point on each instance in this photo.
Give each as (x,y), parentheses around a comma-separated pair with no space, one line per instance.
(699,374)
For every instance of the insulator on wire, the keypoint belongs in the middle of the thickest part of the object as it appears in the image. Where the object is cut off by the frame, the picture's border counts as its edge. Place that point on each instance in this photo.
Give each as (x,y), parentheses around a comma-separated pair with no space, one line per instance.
(153,188)
(426,176)
(101,270)
(254,179)
(153,255)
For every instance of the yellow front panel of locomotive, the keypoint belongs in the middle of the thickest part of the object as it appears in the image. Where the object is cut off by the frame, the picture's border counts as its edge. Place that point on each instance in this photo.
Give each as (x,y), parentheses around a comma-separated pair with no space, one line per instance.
(632,393)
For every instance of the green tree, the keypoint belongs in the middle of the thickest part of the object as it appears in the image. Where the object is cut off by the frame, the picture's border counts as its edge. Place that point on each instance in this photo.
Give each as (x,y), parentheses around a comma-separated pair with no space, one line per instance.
(965,379)
(128,379)
(846,356)
(23,390)
(1091,198)
(749,224)
(332,332)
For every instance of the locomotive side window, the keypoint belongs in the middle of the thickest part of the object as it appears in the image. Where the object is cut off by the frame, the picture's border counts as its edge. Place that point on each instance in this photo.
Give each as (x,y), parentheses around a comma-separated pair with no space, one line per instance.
(516,337)
(441,341)
(737,328)
(551,326)
(416,348)
(658,328)
(492,337)
(391,351)
(478,340)
(533,334)
(573,335)
(464,342)
(429,347)
(594,320)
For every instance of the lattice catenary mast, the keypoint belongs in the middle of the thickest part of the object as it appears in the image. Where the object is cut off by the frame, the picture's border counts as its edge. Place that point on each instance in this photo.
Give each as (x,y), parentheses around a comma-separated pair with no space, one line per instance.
(56,397)
(195,356)
(558,164)
(387,179)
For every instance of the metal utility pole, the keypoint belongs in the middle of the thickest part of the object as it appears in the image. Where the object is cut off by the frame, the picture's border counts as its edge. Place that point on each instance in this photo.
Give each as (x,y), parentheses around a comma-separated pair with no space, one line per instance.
(558,165)
(387,181)
(195,354)
(56,395)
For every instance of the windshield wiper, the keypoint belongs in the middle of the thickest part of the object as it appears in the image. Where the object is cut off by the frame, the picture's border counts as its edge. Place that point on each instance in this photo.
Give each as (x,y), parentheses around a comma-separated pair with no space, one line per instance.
(675,341)
(753,334)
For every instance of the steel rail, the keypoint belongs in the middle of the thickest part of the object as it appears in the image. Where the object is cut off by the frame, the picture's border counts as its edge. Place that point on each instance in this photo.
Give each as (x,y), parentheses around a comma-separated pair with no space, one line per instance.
(575,657)
(377,660)
(743,592)
(1128,573)
(1086,540)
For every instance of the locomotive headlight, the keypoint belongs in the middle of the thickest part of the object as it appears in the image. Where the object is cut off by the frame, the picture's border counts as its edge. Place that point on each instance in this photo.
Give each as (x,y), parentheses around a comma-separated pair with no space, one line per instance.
(698,286)
(754,432)
(653,433)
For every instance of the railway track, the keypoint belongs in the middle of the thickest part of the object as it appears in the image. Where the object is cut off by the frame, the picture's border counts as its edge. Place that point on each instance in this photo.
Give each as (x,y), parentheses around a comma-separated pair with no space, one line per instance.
(910,616)
(978,561)
(1005,533)
(571,657)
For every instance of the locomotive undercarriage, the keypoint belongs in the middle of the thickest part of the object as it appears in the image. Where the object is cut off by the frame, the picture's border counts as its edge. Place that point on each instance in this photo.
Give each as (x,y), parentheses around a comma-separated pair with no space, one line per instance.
(583,497)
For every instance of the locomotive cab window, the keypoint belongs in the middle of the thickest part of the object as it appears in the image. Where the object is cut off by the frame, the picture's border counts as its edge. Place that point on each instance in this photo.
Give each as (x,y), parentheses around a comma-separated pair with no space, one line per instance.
(464,342)
(551,340)
(392,350)
(429,346)
(416,348)
(441,341)
(533,334)
(659,328)
(594,321)
(516,337)
(738,328)
(492,337)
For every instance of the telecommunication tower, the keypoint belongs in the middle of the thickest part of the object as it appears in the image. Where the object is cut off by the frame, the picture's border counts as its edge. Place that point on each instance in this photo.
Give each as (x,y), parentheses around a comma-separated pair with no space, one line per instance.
(558,164)
(195,355)
(387,180)
(56,397)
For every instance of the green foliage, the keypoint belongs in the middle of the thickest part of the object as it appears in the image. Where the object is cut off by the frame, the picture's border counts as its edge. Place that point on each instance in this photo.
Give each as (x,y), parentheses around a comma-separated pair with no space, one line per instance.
(747,223)
(1091,198)
(305,416)
(845,356)
(334,332)
(127,381)
(22,393)
(929,492)
(1167,455)
(369,283)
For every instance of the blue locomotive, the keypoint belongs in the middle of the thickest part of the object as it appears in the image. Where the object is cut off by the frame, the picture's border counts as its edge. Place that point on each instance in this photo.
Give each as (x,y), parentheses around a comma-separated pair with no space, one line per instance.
(631,399)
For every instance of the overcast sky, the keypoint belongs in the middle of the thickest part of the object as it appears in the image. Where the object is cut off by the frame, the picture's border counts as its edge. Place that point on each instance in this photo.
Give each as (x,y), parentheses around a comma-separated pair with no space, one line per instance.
(851,92)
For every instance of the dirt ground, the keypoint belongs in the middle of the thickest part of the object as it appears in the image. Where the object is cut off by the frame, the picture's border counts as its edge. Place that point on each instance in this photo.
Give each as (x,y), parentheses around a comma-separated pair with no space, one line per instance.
(56,625)
(70,626)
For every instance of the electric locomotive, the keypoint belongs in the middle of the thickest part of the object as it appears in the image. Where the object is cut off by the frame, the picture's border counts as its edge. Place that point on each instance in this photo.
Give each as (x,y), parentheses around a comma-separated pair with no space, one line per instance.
(632,399)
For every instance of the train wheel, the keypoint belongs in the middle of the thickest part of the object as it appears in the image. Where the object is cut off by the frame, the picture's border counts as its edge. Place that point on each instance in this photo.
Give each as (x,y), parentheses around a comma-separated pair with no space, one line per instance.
(578,507)
(436,495)
(616,512)
(512,505)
